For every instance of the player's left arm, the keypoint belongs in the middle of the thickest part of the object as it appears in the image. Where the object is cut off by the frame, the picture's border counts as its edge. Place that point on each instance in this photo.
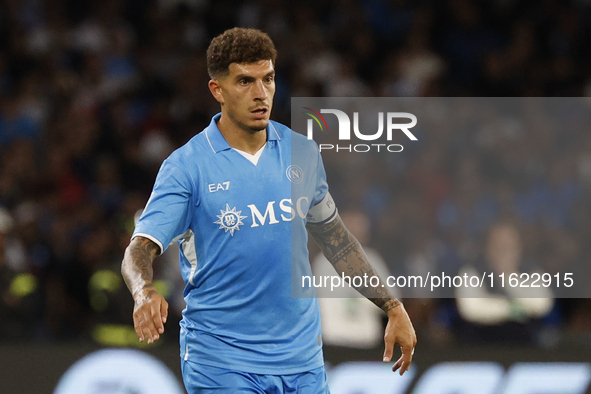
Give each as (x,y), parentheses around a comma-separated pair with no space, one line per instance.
(345,253)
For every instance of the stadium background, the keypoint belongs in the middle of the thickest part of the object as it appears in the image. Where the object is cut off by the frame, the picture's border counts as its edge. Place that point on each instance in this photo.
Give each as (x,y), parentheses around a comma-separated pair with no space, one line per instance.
(94,94)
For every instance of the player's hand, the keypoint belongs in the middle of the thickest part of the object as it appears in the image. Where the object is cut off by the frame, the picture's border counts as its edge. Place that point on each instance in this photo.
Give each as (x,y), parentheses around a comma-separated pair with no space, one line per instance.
(149,314)
(399,331)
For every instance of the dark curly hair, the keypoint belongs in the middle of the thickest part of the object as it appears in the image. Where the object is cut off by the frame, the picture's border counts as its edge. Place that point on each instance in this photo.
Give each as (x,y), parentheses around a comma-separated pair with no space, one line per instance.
(238,45)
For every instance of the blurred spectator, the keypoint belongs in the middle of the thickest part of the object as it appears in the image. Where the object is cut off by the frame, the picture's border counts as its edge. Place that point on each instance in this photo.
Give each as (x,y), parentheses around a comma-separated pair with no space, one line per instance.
(19,286)
(6,224)
(498,311)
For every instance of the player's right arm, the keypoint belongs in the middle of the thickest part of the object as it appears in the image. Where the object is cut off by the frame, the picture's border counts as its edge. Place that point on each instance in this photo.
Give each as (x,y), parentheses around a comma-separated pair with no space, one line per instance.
(167,215)
(150,308)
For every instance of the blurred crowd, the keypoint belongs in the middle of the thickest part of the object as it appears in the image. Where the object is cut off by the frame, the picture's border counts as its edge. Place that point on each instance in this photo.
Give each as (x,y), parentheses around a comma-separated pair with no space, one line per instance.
(95,94)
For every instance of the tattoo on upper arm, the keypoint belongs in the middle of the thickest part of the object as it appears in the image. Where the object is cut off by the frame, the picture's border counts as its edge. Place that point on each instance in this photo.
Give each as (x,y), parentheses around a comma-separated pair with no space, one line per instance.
(345,253)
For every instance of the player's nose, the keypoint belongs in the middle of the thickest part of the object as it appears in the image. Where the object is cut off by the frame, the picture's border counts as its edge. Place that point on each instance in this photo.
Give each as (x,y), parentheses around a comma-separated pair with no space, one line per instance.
(260,90)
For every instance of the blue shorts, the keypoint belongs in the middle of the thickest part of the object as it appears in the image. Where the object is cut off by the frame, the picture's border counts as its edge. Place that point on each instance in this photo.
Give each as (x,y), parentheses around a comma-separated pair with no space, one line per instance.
(204,379)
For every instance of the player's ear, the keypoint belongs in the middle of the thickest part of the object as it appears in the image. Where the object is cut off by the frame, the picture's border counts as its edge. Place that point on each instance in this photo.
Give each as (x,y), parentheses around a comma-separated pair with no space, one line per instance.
(216,90)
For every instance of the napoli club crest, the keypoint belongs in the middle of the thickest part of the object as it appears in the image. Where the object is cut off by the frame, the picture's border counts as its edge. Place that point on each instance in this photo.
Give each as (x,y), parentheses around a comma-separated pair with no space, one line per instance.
(294,174)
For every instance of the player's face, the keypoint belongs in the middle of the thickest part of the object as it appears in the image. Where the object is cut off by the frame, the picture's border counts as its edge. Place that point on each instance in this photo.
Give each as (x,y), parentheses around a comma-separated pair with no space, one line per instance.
(246,94)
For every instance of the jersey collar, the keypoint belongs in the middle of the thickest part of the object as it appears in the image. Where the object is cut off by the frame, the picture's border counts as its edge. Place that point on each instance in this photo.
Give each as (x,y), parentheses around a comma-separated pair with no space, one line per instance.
(218,143)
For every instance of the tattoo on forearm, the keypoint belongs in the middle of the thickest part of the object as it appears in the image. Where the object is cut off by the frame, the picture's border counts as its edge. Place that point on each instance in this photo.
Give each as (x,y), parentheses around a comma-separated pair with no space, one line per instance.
(386,303)
(137,264)
(345,253)
(142,254)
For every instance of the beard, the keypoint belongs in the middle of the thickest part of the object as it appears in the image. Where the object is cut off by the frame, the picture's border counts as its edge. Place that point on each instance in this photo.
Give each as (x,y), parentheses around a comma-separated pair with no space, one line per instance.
(256,129)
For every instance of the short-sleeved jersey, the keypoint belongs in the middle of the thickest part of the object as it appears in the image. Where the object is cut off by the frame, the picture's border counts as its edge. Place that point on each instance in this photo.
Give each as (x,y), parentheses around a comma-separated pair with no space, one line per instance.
(241,228)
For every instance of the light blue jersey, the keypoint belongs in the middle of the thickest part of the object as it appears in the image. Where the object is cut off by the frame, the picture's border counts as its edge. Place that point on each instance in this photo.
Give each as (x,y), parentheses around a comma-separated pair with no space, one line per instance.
(239,226)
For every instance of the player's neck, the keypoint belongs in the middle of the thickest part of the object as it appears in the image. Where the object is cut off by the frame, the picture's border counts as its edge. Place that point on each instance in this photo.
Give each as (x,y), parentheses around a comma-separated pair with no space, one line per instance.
(238,138)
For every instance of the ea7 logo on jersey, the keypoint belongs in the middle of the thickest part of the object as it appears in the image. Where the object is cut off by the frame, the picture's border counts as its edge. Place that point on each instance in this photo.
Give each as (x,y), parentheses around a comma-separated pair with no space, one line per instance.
(231,219)
(214,187)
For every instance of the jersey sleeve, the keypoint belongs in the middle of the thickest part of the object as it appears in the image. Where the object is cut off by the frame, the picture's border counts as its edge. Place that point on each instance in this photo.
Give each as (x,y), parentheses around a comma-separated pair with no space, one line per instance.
(169,209)
(323,208)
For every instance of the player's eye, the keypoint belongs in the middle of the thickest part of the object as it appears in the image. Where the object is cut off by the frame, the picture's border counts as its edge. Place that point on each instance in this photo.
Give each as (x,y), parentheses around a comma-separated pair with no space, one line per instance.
(243,82)
(270,79)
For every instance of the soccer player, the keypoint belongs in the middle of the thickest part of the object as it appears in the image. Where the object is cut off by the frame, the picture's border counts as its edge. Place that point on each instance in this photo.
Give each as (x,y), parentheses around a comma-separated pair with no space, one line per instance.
(239,197)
